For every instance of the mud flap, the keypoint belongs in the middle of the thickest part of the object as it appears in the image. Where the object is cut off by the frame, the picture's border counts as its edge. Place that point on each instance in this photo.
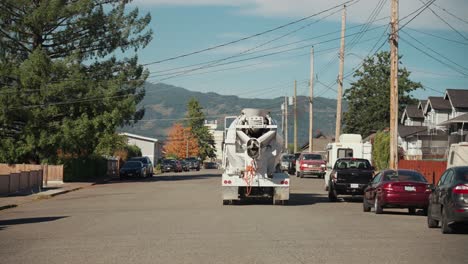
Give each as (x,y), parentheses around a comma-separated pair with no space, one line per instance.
(230,193)
(281,193)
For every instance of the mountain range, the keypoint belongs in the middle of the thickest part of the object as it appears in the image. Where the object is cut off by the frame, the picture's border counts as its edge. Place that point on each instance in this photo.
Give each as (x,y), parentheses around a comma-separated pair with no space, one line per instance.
(166,104)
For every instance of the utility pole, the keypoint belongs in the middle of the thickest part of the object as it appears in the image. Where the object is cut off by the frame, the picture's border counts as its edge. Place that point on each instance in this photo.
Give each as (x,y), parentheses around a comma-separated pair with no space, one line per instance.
(340,77)
(286,123)
(394,87)
(295,116)
(311,100)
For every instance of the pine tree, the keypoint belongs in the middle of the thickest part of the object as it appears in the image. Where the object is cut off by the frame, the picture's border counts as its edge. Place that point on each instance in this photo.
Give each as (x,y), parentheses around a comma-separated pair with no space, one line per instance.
(196,120)
(64,81)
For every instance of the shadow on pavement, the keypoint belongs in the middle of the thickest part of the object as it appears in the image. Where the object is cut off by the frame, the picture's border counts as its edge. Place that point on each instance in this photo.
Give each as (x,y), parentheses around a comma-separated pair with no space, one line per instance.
(33,220)
(164,177)
(296,199)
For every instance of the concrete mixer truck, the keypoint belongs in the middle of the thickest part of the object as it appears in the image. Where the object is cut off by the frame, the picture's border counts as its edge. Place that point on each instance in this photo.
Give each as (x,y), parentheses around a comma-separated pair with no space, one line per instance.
(251,159)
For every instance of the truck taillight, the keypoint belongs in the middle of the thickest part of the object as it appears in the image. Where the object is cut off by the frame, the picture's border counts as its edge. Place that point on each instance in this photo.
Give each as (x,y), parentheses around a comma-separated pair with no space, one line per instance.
(227,181)
(460,189)
(284,182)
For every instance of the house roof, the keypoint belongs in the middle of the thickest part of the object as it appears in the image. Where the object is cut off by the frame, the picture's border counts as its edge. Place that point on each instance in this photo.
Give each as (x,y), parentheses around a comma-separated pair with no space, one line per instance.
(422,104)
(139,137)
(459,119)
(404,131)
(458,97)
(414,112)
(437,103)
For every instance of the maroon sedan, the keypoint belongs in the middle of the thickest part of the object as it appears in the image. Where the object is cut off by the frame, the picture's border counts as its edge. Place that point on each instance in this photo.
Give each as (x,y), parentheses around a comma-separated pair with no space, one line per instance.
(397,189)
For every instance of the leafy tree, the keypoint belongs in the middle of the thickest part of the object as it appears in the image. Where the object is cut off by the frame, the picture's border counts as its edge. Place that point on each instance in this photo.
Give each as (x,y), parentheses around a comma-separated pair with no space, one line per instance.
(181,142)
(62,87)
(381,150)
(369,97)
(196,120)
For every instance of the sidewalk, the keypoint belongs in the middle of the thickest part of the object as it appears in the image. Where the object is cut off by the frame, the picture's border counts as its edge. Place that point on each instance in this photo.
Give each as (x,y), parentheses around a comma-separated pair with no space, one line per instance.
(47,192)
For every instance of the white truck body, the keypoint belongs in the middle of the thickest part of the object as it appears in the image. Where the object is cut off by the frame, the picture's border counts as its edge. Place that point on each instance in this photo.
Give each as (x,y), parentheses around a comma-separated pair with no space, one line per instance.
(251,159)
(458,155)
(350,145)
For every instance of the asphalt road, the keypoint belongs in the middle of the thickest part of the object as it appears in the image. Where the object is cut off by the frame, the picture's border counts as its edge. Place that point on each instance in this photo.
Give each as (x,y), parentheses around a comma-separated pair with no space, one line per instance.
(179,218)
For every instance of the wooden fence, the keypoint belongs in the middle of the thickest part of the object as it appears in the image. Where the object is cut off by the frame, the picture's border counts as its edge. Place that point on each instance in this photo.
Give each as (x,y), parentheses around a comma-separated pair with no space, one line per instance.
(16,178)
(431,169)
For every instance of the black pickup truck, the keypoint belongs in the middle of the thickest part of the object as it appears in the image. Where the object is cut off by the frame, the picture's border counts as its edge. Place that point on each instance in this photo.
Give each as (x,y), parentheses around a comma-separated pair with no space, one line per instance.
(349,176)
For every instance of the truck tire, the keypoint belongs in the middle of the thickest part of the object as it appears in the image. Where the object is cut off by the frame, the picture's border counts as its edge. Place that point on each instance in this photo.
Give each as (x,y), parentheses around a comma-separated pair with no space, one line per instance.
(301,175)
(332,196)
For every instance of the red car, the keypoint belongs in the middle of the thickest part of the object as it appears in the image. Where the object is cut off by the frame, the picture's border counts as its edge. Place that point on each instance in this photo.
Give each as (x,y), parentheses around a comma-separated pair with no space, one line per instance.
(397,189)
(310,164)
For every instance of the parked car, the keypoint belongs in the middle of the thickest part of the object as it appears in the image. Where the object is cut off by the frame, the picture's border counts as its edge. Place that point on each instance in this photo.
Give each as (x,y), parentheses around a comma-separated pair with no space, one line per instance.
(169,165)
(448,202)
(349,176)
(185,165)
(397,189)
(194,163)
(287,161)
(133,169)
(210,165)
(178,166)
(148,165)
(311,164)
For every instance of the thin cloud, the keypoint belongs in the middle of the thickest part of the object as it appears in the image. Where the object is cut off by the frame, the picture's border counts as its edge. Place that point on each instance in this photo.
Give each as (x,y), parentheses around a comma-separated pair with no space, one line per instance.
(356,13)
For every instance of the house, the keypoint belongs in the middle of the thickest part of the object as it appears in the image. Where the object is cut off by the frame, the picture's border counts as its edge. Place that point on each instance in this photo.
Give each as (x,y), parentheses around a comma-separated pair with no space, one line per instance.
(218,136)
(458,100)
(457,128)
(437,110)
(412,116)
(150,147)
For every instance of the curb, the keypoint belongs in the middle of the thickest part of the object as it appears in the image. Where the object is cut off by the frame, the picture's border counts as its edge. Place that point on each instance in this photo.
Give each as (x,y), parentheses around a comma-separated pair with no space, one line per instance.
(47,196)
(8,206)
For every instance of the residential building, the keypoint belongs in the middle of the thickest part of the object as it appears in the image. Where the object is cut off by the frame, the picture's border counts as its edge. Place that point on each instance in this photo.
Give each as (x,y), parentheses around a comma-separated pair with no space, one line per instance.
(458,100)
(412,116)
(437,110)
(150,147)
(218,136)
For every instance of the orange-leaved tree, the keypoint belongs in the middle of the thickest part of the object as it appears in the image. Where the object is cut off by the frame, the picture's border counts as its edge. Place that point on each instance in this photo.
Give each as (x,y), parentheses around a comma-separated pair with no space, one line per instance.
(181,143)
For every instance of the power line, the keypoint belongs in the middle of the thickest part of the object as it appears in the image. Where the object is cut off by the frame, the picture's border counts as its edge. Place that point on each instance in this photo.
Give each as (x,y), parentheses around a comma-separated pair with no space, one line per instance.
(418,11)
(429,55)
(248,37)
(452,14)
(436,36)
(447,23)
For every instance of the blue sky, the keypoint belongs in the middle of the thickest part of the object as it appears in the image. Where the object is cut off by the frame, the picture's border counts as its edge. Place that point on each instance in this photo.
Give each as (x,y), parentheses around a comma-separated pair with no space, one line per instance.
(183,26)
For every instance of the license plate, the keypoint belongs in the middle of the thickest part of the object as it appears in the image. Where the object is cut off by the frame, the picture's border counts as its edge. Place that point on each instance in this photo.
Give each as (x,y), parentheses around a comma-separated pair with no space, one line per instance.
(354,185)
(410,188)
(311,166)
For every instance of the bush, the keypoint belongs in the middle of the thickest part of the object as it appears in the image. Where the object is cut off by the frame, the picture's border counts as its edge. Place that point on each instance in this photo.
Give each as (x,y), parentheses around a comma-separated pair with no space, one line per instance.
(84,169)
(381,150)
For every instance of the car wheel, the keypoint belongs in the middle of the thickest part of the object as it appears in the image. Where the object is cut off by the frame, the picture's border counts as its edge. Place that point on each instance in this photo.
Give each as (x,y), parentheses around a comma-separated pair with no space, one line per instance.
(445,228)
(332,197)
(412,211)
(301,175)
(431,222)
(365,205)
(297,174)
(377,207)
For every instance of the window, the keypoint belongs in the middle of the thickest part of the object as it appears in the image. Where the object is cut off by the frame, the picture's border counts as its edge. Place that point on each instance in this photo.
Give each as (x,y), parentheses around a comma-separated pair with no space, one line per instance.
(442,178)
(452,156)
(449,178)
(377,178)
(345,153)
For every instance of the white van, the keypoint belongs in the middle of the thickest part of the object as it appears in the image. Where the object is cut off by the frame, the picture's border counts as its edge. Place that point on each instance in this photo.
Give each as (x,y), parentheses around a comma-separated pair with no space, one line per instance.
(458,155)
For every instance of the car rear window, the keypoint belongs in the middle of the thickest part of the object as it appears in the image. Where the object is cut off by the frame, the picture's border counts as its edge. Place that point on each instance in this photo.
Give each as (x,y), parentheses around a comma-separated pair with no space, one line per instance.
(362,164)
(404,176)
(462,175)
(132,164)
(287,158)
(312,157)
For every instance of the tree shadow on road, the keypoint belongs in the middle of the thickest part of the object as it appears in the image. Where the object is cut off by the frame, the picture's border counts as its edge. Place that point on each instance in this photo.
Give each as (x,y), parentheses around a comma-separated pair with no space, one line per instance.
(164,177)
(32,220)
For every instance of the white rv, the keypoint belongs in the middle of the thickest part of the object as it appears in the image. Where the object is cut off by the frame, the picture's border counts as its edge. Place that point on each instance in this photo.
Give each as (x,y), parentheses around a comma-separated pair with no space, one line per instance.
(349,146)
(458,155)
